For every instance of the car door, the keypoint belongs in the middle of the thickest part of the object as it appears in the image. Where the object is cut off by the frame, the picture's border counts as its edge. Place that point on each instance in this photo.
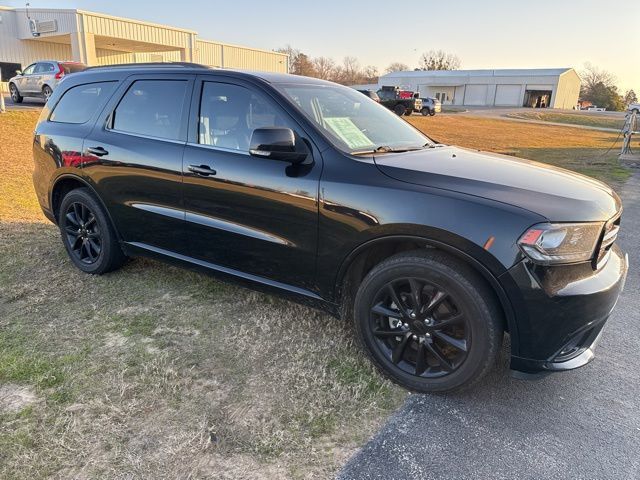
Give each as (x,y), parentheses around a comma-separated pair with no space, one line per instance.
(253,215)
(133,157)
(23,80)
(42,71)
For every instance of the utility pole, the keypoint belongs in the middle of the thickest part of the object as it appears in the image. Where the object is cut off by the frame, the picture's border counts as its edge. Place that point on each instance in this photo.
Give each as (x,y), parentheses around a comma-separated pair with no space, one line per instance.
(2,107)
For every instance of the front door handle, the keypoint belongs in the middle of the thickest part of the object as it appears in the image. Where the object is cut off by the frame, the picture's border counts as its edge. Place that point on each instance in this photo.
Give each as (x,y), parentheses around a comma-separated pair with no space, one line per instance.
(204,170)
(97,151)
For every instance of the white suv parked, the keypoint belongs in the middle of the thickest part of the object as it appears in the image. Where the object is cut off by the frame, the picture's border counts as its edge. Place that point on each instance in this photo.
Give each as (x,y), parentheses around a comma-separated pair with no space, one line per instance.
(40,79)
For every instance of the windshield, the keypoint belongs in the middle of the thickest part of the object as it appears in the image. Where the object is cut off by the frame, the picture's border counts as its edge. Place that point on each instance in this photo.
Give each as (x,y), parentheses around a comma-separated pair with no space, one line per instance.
(353,122)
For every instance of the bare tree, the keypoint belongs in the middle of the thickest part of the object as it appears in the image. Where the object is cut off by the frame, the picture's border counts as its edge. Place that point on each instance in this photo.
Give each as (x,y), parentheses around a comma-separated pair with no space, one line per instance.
(325,67)
(630,97)
(351,72)
(439,60)
(592,76)
(292,52)
(397,67)
(370,74)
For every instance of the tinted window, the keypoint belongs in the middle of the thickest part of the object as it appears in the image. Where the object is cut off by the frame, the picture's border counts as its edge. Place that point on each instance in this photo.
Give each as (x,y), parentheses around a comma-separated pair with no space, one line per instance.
(230,113)
(78,104)
(44,68)
(152,108)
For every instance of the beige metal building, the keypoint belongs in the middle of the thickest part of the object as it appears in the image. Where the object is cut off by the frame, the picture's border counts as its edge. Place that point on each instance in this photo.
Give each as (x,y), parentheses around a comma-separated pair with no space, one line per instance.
(98,39)
(545,87)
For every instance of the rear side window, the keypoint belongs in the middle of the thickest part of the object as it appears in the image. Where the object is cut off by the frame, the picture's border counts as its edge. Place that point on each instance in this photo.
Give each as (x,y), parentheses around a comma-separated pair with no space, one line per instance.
(44,68)
(78,104)
(152,108)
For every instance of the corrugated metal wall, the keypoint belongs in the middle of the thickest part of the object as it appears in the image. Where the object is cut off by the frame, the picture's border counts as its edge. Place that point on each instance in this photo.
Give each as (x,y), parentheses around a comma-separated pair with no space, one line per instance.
(14,50)
(134,30)
(222,55)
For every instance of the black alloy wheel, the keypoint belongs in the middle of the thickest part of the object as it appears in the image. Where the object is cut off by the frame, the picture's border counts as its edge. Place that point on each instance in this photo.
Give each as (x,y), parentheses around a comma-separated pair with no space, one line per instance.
(428,321)
(419,326)
(87,233)
(83,234)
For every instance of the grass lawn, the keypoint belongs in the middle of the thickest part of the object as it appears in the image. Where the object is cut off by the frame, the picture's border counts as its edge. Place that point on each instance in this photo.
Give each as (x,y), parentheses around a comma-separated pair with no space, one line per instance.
(157,372)
(584,151)
(589,119)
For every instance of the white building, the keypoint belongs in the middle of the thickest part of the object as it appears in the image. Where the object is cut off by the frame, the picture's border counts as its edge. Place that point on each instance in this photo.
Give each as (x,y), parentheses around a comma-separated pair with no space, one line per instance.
(548,87)
(98,39)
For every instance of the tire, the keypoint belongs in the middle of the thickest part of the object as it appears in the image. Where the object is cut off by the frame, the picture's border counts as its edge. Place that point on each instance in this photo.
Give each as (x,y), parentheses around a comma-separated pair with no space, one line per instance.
(432,113)
(15,94)
(425,111)
(46,92)
(408,112)
(453,339)
(87,233)
(399,109)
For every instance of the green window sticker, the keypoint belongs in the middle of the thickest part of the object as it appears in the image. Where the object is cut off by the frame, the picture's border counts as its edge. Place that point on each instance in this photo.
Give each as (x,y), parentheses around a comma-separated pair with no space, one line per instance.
(348,132)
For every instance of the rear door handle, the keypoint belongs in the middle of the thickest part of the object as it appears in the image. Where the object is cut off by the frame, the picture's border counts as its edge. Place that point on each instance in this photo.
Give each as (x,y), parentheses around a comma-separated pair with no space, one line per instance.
(204,170)
(97,151)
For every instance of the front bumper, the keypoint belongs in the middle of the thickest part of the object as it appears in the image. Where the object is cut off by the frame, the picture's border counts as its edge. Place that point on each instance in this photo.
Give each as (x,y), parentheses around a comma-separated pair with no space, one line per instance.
(561,311)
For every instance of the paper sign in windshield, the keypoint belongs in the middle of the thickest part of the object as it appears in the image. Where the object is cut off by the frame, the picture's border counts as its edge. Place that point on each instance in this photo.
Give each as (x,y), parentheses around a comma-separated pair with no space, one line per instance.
(348,132)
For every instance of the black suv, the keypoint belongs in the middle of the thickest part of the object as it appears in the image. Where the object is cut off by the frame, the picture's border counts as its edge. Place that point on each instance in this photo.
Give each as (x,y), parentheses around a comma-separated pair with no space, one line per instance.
(310,190)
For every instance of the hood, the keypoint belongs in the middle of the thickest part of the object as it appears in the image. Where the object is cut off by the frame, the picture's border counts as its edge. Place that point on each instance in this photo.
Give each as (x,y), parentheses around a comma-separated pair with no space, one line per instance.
(555,193)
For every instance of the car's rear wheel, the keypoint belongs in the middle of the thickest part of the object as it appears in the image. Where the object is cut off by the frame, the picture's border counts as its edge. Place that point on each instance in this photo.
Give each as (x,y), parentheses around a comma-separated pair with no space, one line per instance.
(428,321)
(46,92)
(87,234)
(399,109)
(424,111)
(408,112)
(432,112)
(15,94)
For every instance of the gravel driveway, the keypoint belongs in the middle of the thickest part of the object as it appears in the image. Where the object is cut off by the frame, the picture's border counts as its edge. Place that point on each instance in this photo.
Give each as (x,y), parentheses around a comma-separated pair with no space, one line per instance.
(581,424)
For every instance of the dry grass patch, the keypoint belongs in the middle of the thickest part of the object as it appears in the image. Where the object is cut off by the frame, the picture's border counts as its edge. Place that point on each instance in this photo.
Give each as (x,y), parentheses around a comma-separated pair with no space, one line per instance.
(591,152)
(601,120)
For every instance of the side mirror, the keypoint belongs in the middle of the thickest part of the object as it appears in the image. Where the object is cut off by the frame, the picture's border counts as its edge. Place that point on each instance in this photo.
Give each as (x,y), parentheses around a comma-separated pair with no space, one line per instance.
(276,143)
(18,72)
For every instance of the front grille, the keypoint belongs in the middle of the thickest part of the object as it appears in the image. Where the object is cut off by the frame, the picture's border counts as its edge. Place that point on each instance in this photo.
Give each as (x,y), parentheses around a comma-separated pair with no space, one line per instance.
(609,236)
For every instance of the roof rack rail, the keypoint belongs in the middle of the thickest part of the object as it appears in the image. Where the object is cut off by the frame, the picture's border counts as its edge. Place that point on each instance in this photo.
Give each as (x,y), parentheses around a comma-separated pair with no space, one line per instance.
(151,64)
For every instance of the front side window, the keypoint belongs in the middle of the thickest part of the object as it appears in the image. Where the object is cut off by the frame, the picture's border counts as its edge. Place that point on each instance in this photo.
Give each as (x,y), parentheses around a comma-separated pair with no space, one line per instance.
(229,114)
(353,122)
(29,70)
(78,104)
(152,108)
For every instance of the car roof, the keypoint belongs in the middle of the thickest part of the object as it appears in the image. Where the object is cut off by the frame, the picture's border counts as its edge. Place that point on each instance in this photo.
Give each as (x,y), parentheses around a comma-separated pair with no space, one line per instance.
(198,69)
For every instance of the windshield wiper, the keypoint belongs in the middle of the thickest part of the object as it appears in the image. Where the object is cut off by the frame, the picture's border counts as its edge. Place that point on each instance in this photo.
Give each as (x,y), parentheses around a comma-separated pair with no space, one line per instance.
(388,149)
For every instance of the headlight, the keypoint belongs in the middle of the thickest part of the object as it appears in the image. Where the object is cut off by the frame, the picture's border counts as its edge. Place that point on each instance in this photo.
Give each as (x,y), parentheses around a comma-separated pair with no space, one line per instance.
(558,243)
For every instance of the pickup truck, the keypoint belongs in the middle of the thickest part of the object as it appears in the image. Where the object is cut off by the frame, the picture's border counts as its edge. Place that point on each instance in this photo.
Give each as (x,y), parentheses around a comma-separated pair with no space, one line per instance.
(391,98)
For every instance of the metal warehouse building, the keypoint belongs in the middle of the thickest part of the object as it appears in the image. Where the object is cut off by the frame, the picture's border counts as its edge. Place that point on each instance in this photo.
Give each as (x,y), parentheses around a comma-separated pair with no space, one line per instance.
(96,39)
(549,87)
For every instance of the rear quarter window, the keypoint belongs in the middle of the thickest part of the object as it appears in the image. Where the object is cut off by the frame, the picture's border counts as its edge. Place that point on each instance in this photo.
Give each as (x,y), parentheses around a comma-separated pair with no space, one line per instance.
(78,104)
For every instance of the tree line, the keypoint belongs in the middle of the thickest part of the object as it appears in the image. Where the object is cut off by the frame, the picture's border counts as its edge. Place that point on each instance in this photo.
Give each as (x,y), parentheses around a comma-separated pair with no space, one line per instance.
(599,88)
(351,72)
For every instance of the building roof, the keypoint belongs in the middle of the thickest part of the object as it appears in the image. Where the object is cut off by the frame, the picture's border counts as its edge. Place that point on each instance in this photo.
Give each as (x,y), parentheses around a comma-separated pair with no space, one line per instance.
(518,72)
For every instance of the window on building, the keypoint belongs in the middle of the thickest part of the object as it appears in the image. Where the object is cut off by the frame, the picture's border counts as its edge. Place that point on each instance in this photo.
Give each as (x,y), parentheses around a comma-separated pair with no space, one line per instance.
(230,113)
(152,108)
(78,104)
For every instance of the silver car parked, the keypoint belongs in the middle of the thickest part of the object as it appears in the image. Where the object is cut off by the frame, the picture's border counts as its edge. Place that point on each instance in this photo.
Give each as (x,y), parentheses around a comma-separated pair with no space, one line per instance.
(40,79)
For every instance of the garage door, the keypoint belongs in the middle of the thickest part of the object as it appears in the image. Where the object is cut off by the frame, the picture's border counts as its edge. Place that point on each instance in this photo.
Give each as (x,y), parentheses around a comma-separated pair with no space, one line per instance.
(508,96)
(475,95)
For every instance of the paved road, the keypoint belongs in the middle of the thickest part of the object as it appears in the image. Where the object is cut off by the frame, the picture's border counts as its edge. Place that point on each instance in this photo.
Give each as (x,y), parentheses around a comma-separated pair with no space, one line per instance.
(27,104)
(583,424)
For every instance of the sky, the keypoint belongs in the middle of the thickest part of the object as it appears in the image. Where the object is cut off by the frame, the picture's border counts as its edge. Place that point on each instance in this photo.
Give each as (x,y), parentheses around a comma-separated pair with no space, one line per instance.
(483,34)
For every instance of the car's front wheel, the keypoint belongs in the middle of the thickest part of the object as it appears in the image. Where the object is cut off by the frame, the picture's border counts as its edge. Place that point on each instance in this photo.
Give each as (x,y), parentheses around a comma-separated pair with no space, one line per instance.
(428,321)
(15,94)
(87,233)
(424,111)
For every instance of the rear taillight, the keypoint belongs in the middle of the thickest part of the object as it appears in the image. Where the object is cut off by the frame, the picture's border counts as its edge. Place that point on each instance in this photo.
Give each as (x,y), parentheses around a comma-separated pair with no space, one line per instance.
(60,73)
